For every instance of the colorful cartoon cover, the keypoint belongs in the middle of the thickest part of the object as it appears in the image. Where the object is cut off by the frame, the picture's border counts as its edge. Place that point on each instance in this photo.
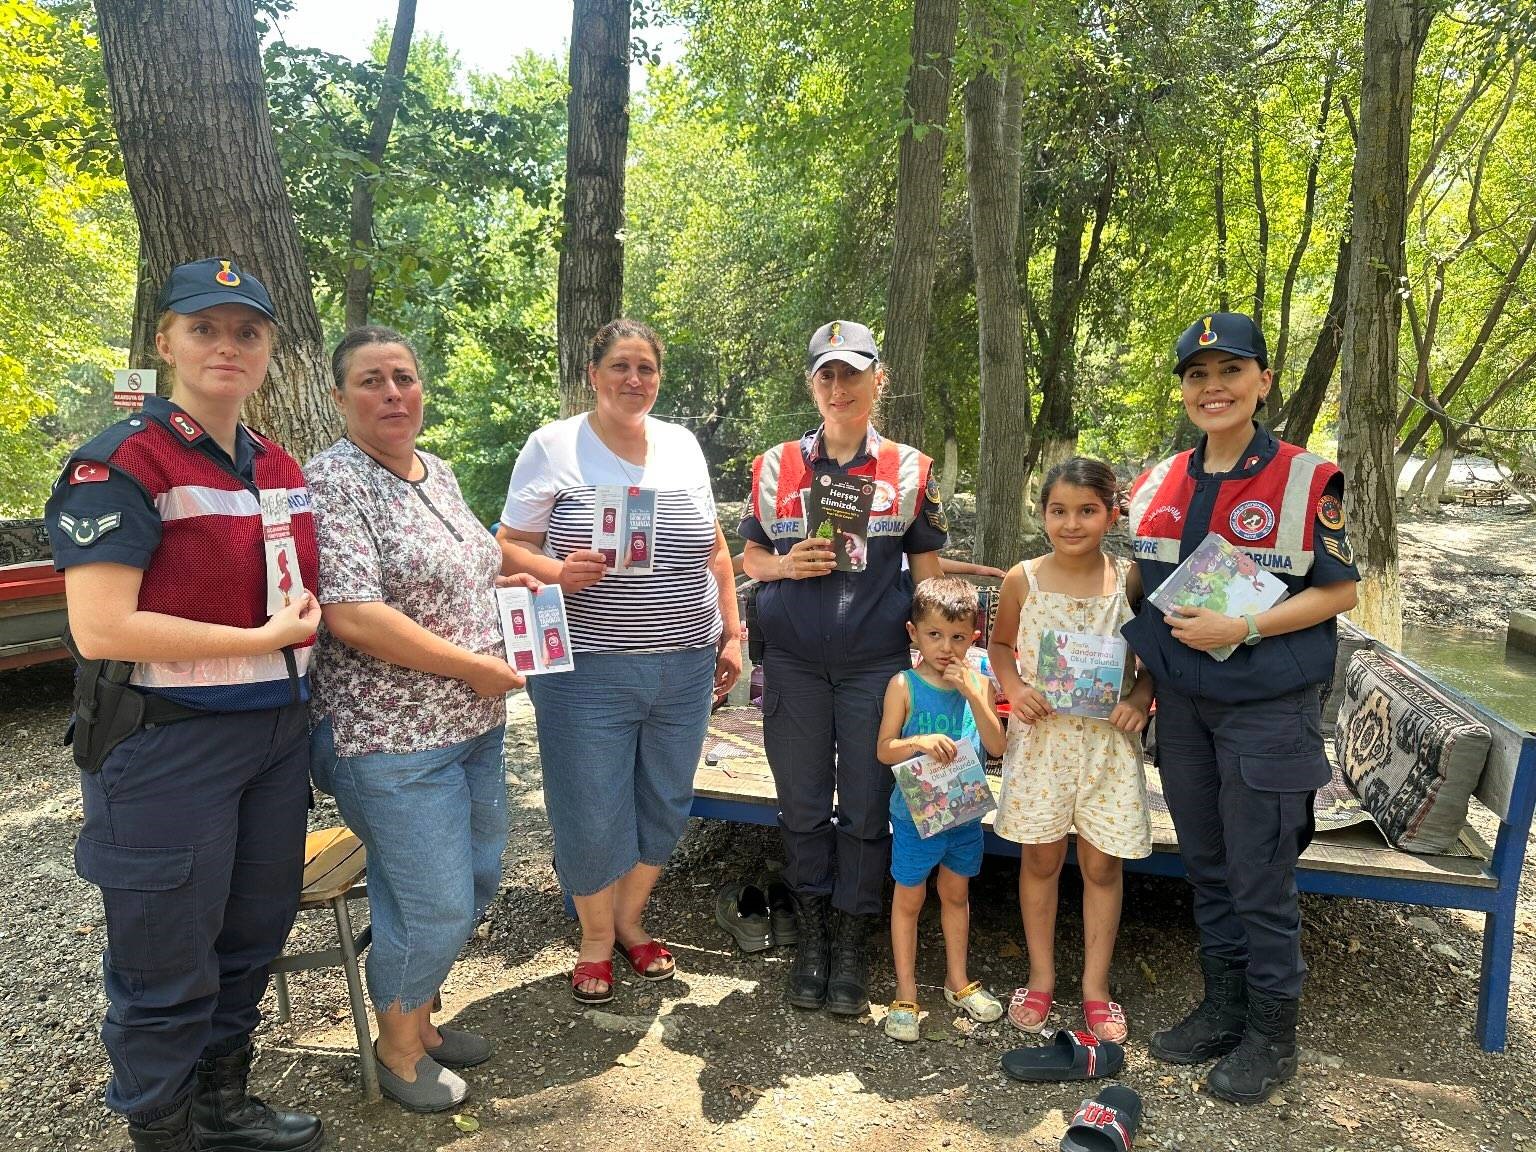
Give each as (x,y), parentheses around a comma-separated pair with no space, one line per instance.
(839,512)
(1079,673)
(941,796)
(1219,577)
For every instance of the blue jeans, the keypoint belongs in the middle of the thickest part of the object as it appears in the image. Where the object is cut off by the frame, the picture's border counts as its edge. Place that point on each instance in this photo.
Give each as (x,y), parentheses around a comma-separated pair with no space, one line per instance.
(435,826)
(619,738)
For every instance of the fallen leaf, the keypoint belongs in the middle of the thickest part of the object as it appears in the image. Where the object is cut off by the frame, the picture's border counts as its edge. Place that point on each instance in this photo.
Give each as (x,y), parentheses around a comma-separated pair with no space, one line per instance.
(1146,970)
(625,1060)
(964,1025)
(1010,950)
(1354,945)
(1348,1123)
(85,929)
(465,1123)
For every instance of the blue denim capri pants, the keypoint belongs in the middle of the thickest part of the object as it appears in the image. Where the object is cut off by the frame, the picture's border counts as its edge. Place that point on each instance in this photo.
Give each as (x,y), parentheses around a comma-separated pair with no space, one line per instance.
(435,826)
(619,738)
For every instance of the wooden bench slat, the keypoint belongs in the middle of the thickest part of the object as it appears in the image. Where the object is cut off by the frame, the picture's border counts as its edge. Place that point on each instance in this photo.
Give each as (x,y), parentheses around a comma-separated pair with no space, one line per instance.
(334,860)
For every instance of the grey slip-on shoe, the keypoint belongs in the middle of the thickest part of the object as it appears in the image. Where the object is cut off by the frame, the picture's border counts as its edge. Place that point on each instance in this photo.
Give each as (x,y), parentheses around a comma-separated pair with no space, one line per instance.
(460,1049)
(435,1089)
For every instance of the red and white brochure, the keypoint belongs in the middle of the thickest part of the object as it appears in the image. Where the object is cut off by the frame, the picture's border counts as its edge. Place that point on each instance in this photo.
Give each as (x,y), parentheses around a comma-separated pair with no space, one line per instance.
(535,630)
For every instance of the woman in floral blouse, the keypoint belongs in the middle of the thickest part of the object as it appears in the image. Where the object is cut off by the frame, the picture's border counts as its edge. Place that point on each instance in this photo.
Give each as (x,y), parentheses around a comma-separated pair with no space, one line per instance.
(410,687)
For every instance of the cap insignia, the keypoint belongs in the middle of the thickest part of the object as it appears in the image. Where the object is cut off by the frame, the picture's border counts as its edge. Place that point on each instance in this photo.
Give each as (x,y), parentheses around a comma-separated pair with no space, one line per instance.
(836,337)
(231,279)
(1208,337)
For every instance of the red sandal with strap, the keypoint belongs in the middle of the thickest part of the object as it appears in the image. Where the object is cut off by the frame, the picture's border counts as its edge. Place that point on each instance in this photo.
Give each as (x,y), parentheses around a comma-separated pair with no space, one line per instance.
(596,970)
(641,956)
(1105,1019)
(1028,1000)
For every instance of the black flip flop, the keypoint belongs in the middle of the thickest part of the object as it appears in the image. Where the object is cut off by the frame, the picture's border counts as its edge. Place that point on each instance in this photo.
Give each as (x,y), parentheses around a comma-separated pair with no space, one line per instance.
(1107,1123)
(1069,1056)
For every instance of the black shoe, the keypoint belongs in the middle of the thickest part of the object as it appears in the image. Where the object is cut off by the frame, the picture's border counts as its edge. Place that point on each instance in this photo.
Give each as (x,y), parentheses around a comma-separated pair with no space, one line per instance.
(1265,1059)
(171,1133)
(741,909)
(1216,1025)
(807,986)
(226,1119)
(784,924)
(848,987)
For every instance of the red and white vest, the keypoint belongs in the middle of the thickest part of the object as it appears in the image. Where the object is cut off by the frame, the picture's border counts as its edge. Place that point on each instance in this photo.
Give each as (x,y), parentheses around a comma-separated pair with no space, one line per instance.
(780,475)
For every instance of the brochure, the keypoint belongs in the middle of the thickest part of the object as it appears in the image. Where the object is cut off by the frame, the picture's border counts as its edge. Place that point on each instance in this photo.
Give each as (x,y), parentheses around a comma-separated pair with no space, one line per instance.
(1080,673)
(535,630)
(941,796)
(624,527)
(1222,578)
(839,512)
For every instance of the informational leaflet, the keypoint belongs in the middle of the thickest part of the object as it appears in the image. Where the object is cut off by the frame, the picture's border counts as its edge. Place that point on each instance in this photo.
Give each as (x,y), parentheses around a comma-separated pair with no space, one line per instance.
(284,580)
(941,796)
(1079,673)
(1222,578)
(839,512)
(535,630)
(624,527)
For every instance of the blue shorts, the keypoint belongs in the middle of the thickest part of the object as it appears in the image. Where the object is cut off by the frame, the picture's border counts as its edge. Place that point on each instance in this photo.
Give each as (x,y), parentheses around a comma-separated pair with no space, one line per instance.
(913,858)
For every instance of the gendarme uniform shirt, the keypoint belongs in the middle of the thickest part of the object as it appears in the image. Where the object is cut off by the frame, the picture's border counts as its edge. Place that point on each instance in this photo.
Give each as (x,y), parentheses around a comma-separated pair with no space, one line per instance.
(844,617)
(1281,505)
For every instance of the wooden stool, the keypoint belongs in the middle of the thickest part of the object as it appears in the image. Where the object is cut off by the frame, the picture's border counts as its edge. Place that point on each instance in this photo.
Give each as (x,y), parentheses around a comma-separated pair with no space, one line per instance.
(334,866)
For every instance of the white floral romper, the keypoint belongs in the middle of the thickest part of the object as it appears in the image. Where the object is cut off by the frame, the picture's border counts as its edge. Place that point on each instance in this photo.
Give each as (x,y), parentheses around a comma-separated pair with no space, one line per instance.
(1073,771)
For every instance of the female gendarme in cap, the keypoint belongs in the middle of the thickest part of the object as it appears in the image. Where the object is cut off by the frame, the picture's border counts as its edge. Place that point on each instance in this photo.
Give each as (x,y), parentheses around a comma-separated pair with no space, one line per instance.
(833,617)
(189,559)
(1242,728)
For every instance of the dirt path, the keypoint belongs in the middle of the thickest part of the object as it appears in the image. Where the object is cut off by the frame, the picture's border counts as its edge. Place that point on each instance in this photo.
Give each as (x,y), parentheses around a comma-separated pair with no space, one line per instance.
(714,1059)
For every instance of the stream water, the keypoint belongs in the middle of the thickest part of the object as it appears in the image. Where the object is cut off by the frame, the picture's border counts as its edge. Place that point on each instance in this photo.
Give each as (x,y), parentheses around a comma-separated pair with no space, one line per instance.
(1476,664)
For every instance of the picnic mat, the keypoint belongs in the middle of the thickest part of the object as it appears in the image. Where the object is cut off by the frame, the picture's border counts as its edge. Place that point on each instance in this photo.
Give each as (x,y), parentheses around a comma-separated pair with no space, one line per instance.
(735,740)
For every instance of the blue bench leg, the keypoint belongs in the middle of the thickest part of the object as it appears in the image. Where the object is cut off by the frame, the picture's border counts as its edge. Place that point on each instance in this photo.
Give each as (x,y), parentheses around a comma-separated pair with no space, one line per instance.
(1493,981)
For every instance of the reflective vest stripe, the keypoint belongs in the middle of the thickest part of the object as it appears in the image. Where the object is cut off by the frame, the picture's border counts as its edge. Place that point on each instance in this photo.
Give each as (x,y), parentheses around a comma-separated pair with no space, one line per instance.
(219,671)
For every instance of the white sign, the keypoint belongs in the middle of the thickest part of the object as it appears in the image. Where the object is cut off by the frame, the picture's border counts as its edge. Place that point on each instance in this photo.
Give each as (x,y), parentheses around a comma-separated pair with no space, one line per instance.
(131,385)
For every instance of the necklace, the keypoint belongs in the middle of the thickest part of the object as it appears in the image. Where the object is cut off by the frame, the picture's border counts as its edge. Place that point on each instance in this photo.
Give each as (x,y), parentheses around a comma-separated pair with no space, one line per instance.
(617,459)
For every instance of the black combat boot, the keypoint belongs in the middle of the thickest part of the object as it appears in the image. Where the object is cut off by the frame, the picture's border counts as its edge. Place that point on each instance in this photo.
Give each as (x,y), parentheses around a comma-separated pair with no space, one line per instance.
(848,987)
(1215,1027)
(171,1133)
(227,1119)
(1265,1059)
(807,987)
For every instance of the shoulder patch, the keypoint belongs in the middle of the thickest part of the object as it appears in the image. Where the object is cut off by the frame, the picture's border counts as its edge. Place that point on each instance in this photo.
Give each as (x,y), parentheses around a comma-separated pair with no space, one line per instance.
(86,530)
(1330,512)
(87,472)
(1340,550)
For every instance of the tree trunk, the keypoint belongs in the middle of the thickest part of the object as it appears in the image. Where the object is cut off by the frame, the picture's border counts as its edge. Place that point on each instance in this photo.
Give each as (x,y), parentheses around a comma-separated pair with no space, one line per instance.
(358,293)
(591,284)
(949,470)
(992,176)
(1300,413)
(1261,215)
(1224,296)
(190,106)
(1435,487)
(1304,238)
(919,188)
(1394,35)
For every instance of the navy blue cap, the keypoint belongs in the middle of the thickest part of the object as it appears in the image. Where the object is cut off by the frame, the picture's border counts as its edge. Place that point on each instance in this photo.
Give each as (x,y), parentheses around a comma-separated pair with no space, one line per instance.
(1225,332)
(204,283)
(845,340)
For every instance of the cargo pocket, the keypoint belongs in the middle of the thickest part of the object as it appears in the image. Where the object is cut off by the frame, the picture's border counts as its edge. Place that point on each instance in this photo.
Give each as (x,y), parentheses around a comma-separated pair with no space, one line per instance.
(150,904)
(770,702)
(1287,783)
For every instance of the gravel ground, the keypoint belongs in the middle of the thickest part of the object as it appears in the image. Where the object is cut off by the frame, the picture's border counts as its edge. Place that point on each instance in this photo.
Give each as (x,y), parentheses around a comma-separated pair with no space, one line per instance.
(715,1059)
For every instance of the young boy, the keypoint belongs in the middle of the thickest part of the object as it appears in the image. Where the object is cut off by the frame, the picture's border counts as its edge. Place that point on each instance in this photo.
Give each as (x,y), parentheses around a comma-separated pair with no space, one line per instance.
(928,710)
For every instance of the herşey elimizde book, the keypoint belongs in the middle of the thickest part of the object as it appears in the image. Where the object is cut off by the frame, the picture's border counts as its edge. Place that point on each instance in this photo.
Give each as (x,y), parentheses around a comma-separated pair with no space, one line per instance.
(839,512)
(1080,673)
(1219,577)
(941,796)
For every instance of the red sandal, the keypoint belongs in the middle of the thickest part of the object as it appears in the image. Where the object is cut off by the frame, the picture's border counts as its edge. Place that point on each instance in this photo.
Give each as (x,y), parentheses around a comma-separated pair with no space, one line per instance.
(1028,1000)
(1106,1020)
(641,956)
(599,970)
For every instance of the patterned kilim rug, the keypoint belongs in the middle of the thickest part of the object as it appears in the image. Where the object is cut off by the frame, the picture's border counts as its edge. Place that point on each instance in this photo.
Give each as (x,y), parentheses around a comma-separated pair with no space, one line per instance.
(735,742)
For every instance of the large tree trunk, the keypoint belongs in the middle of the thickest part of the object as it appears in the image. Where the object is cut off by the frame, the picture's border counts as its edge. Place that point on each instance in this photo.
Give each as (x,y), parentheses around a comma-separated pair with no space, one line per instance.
(190,106)
(992,176)
(591,287)
(1394,35)
(919,188)
(359,287)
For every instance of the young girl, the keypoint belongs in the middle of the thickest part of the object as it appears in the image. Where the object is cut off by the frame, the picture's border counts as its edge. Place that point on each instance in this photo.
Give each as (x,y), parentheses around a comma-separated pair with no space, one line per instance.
(1068,771)
(928,710)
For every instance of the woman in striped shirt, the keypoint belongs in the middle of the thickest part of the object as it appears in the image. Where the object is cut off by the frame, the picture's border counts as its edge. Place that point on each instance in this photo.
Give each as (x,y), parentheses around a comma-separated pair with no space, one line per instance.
(653,633)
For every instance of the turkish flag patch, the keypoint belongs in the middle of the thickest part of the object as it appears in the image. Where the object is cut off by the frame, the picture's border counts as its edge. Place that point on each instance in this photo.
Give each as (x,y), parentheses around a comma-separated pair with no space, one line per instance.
(88,473)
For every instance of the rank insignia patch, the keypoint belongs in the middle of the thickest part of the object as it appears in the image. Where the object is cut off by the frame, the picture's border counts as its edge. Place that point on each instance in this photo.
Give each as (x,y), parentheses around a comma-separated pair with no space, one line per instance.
(86,530)
(1330,512)
(1340,550)
(185,425)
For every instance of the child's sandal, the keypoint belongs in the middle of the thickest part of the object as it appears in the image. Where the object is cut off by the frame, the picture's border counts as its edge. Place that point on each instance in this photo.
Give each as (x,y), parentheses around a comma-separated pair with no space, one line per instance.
(1106,1020)
(975,1001)
(901,1021)
(1027,1000)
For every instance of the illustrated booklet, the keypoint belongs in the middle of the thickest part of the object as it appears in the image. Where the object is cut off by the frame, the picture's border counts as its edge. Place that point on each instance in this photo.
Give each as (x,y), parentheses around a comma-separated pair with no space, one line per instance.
(1219,577)
(1080,673)
(941,796)
(839,511)
(534,627)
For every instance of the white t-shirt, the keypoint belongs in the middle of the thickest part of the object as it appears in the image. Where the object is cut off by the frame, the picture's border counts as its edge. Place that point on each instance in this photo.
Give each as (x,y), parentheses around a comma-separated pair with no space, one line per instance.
(553,491)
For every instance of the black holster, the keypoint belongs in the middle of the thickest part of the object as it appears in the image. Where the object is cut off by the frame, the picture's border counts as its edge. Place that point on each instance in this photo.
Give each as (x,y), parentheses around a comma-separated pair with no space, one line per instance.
(755,642)
(108,710)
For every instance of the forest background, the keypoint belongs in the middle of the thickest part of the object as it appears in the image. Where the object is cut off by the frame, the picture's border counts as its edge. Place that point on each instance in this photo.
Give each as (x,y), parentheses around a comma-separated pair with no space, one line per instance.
(1100,173)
